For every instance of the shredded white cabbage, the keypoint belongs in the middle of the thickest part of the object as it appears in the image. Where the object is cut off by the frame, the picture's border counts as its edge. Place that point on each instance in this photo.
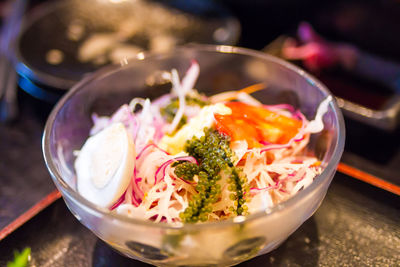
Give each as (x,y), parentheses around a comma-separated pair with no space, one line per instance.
(181,90)
(317,125)
(274,172)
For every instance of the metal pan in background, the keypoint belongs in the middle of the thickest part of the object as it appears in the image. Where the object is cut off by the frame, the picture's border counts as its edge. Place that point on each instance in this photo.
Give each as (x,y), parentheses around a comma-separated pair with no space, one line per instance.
(62,41)
(385,117)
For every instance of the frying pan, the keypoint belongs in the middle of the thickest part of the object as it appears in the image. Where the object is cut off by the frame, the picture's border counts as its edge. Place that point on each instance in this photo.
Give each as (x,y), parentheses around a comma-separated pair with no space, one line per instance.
(49,47)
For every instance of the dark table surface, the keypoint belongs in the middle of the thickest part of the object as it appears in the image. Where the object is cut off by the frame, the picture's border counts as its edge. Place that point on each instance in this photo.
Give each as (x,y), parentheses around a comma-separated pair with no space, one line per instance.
(356,225)
(24,178)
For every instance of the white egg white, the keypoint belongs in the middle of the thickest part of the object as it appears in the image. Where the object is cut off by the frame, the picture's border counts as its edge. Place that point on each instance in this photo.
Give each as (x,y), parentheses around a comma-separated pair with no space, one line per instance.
(105,165)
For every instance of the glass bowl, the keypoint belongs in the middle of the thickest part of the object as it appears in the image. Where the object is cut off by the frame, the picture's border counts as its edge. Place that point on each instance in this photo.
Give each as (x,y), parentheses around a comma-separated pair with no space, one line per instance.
(222,68)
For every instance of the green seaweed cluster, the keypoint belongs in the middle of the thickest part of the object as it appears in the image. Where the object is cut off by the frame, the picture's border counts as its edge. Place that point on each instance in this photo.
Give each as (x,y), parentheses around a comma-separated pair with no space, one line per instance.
(214,155)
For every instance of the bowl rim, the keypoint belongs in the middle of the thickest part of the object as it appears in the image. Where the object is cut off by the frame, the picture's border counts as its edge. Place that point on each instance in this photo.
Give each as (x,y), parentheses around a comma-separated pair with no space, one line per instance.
(109,70)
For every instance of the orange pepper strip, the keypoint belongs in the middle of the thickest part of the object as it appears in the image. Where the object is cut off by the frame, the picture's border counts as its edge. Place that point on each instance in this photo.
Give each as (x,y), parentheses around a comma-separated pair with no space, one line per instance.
(256,125)
(253,88)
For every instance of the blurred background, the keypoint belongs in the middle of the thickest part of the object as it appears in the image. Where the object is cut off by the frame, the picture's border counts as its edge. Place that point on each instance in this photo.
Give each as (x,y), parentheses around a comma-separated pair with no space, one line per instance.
(55,43)
(350,45)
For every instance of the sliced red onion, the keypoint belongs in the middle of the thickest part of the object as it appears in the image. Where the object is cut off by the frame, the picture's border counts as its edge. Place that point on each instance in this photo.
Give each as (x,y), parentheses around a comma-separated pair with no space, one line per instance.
(265,143)
(159,124)
(123,115)
(275,146)
(264,188)
(136,187)
(147,147)
(162,101)
(143,150)
(297,161)
(301,178)
(119,201)
(300,135)
(187,158)
(160,173)
(291,176)
(136,202)
(280,106)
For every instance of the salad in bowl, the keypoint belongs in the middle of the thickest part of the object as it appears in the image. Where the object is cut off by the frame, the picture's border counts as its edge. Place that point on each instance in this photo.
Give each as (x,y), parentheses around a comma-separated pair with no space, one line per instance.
(187,158)
(206,155)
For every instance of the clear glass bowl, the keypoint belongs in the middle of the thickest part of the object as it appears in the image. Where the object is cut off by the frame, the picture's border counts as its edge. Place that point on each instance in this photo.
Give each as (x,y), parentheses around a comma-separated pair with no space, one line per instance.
(221,68)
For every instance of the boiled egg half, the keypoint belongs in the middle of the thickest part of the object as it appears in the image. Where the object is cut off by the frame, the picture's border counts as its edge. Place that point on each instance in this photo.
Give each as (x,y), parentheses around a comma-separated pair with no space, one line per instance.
(105,165)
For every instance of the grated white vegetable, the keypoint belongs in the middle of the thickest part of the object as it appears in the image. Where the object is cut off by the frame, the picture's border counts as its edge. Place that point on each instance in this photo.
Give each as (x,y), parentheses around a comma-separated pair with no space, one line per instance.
(181,90)
(275,172)
(317,125)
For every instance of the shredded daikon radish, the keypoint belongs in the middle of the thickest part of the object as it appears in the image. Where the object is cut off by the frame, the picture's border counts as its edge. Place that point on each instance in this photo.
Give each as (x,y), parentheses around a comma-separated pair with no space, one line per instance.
(317,124)
(274,171)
